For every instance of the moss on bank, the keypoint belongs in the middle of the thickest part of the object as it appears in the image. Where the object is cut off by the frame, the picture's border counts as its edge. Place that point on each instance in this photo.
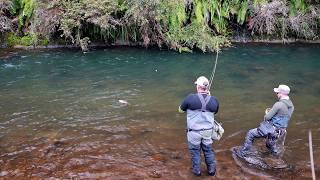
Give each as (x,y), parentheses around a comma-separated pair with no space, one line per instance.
(27,40)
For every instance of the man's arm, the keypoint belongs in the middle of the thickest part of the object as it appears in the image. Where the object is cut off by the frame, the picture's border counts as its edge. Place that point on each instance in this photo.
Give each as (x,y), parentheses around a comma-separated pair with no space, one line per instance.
(217,107)
(273,111)
(184,105)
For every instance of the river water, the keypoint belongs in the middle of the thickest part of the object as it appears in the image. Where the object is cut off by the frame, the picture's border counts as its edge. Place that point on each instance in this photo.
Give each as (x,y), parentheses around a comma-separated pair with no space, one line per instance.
(60,115)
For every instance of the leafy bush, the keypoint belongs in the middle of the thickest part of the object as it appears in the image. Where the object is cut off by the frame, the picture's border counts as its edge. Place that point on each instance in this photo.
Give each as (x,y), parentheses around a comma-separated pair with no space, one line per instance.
(24,10)
(278,19)
(180,24)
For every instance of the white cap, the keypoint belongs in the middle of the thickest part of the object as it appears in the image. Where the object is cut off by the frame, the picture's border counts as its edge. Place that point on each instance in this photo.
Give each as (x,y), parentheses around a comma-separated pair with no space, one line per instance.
(283,89)
(202,82)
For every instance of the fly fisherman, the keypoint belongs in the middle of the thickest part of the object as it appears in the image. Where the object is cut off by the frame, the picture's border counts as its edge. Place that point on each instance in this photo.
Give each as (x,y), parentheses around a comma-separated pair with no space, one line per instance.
(200,108)
(277,119)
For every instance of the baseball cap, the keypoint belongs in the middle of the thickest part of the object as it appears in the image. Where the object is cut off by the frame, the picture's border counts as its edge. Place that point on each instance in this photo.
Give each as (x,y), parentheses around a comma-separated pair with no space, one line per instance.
(202,82)
(283,89)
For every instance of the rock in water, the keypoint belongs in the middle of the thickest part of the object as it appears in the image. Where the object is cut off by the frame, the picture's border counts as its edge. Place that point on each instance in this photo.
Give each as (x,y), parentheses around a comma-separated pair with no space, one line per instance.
(259,160)
(275,163)
(251,158)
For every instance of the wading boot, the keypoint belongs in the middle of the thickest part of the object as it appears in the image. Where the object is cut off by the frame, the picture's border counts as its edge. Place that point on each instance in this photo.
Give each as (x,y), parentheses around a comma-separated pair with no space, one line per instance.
(241,152)
(196,173)
(212,173)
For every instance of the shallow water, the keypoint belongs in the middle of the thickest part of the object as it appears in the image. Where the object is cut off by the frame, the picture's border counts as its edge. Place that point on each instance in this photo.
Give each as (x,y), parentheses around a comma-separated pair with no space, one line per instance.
(60,114)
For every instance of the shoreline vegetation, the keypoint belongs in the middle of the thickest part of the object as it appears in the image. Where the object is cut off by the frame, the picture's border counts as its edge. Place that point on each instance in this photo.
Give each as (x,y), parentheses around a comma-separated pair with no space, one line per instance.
(181,25)
(97,45)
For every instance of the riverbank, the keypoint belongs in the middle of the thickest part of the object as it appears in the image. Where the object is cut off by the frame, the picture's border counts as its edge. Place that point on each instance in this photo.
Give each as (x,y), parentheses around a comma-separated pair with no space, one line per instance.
(7,52)
(127,44)
(177,25)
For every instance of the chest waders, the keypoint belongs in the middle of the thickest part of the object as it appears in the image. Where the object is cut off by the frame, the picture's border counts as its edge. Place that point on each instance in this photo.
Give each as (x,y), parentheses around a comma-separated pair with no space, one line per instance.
(200,127)
(201,116)
(200,123)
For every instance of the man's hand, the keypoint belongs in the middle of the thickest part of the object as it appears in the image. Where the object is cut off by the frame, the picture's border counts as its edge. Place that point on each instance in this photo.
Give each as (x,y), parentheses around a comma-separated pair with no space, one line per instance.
(180,110)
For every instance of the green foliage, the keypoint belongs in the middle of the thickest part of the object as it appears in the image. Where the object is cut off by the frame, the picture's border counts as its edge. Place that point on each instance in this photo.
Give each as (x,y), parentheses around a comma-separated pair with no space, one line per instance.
(196,36)
(44,42)
(297,6)
(15,6)
(172,14)
(79,15)
(258,2)
(184,36)
(121,6)
(219,17)
(28,40)
(182,25)
(216,14)
(209,23)
(198,12)
(242,12)
(12,40)
(24,9)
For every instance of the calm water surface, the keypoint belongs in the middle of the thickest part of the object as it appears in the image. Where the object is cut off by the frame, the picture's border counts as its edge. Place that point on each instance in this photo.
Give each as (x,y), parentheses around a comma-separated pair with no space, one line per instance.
(60,114)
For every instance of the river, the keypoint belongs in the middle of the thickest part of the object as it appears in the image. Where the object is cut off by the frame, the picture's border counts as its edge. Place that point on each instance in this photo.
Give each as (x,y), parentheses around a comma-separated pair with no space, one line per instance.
(60,115)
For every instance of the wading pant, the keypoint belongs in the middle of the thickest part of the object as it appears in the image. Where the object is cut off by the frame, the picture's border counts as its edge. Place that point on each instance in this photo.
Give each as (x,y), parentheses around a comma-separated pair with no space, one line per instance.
(270,142)
(195,152)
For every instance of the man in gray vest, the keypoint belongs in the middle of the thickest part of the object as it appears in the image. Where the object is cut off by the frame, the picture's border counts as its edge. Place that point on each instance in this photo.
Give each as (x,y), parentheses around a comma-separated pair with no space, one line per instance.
(277,119)
(200,108)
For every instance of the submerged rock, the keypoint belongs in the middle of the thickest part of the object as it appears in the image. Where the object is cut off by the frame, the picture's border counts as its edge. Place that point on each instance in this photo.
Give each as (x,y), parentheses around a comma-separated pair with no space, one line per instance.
(260,160)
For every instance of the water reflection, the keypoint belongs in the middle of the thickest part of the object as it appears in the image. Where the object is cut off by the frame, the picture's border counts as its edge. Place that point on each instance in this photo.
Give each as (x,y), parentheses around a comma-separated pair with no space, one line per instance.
(60,114)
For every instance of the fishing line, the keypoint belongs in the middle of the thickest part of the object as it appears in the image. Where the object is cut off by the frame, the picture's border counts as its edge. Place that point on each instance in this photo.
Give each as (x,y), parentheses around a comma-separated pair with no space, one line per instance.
(214,69)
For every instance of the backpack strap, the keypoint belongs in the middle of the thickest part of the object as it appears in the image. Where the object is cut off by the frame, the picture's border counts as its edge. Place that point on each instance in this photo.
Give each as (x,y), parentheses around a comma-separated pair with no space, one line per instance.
(204,101)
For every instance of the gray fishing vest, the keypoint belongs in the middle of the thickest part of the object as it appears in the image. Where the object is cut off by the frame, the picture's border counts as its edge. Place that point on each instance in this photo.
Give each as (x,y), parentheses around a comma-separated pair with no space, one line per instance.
(200,119)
